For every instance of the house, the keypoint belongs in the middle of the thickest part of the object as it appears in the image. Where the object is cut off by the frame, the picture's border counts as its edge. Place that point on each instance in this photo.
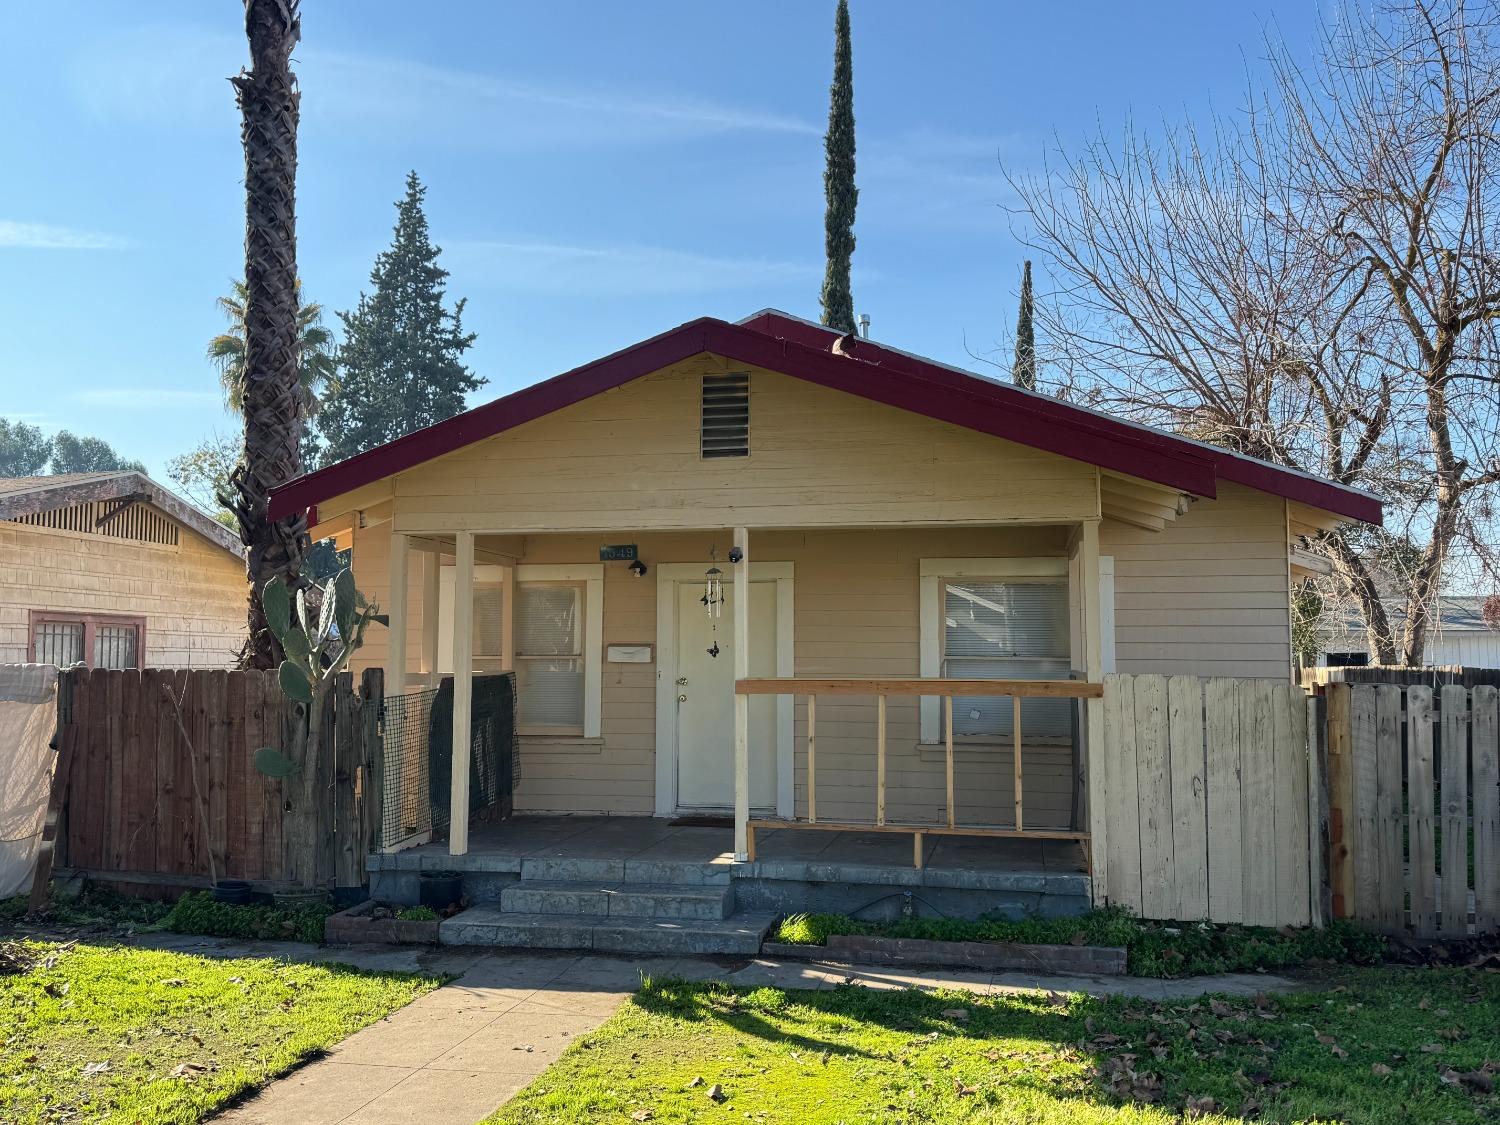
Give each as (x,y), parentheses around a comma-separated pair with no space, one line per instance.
(113,570)
(1457,635)
(747,569)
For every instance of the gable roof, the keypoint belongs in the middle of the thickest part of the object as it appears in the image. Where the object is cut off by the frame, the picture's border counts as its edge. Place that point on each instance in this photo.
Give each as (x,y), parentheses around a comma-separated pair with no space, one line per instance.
(24,496)
(798,348)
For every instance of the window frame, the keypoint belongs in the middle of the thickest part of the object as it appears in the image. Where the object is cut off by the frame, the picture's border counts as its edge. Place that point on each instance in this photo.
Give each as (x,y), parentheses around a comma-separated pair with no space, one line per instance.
(580,654)
(935,574)
(90,623)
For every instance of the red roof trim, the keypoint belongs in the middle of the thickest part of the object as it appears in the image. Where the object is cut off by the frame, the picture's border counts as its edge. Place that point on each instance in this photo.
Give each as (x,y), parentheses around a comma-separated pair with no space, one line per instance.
(801,350)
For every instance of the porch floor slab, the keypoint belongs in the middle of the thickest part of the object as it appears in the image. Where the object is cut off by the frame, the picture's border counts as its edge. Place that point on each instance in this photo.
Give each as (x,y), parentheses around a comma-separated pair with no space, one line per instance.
(653,850)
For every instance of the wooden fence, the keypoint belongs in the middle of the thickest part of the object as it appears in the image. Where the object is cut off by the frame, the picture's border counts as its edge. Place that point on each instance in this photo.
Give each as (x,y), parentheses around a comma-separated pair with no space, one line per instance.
(1433,676)
(1208,800)
(142,801)
(1414,806)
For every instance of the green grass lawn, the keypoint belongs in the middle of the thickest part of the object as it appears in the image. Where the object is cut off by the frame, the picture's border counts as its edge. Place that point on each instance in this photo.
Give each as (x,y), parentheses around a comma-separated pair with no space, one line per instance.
(1373,1045)
(110,1033)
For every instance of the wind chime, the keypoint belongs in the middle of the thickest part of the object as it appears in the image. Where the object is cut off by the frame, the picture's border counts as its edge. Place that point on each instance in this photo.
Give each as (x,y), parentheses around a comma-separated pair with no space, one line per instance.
(713,598)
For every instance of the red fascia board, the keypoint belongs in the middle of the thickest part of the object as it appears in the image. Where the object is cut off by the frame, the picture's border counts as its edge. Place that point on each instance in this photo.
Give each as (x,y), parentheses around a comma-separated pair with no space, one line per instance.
(492,418)
(985,407)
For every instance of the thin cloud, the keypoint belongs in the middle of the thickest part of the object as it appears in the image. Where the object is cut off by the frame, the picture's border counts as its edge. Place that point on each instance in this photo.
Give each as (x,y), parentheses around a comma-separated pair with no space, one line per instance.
(45,236)
(143,398)
(619,270)
(174,76)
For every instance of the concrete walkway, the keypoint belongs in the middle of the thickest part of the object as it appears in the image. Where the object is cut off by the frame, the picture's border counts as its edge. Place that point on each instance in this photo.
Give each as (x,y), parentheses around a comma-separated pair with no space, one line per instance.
(453,1056)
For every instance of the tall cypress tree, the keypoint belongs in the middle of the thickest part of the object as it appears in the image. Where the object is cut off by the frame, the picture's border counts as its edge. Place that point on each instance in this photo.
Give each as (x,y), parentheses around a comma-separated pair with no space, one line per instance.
(838,181)
(400,365)
(1023,370)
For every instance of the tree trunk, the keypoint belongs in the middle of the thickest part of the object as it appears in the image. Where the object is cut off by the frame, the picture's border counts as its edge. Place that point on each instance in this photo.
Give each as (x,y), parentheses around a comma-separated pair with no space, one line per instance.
(274,405)
(1356,577)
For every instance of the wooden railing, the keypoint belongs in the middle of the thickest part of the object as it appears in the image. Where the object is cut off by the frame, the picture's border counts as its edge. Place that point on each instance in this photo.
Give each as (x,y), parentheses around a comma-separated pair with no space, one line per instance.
(947,690)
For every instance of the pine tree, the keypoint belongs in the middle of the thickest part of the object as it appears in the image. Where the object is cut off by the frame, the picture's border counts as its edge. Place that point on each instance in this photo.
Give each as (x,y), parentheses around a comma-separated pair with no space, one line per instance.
(1023,370)
(399,365)
(838,182)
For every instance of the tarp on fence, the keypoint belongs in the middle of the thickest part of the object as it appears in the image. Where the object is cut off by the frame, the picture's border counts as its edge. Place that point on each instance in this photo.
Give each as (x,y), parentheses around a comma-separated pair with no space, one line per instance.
(28,718)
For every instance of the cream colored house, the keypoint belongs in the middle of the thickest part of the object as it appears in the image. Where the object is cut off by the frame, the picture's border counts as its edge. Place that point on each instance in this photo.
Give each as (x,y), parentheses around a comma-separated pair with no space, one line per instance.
(851,534)
(113,570)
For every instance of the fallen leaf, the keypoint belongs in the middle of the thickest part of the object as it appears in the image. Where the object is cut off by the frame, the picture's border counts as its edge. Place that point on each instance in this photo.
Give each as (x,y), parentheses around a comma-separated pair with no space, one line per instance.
(955,1013)
(174,982)
(641,1115)
(716,1093)
(1379,1069)
(96,1068)
(1430,1048)
(1197,1107)
(696,1082)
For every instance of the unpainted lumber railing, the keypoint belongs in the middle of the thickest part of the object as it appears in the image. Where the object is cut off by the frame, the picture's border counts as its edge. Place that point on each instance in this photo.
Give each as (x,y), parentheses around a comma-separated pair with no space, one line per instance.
(882,689)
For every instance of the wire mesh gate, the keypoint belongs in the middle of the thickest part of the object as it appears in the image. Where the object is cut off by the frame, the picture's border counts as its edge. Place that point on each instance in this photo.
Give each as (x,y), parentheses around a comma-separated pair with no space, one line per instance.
(417,758)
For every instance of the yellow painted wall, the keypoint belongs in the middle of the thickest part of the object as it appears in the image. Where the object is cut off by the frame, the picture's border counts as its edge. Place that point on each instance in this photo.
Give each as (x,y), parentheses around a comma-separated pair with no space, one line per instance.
(1210,595)
(191,595)
(819,457)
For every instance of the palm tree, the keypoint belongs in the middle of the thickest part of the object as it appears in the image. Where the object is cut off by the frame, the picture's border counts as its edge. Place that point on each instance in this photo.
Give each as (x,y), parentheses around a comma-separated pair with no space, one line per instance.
(274,405)
(317,371)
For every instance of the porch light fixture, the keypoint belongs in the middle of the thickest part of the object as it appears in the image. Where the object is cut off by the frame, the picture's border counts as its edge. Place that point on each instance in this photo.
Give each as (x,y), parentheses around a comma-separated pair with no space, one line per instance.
(638,568)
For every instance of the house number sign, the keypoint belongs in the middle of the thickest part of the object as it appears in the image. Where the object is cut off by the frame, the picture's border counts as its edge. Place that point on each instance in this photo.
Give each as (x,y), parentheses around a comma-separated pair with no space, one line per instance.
(617,552)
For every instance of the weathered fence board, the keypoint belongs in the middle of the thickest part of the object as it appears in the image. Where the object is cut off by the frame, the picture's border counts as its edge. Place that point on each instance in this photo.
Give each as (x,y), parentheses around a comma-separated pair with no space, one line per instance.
(1207,804)
(1189,796)
(1486,767)
(143,799)
(1437,788)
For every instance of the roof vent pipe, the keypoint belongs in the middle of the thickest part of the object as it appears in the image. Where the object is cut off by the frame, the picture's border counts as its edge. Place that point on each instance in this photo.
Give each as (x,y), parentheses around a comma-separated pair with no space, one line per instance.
(864,326)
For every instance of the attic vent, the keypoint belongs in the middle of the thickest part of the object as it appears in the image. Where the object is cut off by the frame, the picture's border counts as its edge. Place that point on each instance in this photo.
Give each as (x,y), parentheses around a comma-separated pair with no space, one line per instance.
(127,520)
(724,430)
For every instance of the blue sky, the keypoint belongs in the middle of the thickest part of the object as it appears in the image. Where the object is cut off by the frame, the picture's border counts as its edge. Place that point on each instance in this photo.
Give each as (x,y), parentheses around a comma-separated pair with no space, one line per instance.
(596,172)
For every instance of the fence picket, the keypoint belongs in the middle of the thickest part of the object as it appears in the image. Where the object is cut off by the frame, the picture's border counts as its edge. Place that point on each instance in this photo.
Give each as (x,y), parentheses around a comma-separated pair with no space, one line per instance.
(1341,806)
(1389,904)
(1189,797)
(1123,790)
(1289,750)
(1363,825)
(1258,801)
(1454,764)
(1420,799)
(1154,774)
(1486,765)
(1226,871)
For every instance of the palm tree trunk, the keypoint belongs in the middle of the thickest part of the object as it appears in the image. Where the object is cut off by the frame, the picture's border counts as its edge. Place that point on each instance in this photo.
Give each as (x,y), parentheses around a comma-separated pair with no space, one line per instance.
(274,404)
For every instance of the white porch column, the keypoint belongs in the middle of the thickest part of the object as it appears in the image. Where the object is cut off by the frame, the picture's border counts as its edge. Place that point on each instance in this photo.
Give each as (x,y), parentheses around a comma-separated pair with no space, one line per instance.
(396,654)
(463,690)
(741,702)
(1093,663)
(432,568)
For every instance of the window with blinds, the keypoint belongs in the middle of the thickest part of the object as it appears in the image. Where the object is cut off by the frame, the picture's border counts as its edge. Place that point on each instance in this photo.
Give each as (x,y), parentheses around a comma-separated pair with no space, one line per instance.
(549,657)
(489,623)
(1007,629)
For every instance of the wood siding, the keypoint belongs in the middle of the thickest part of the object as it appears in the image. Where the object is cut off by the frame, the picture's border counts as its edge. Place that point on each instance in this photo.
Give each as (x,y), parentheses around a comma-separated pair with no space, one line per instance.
(1209,595)
(818,457)
(192,595)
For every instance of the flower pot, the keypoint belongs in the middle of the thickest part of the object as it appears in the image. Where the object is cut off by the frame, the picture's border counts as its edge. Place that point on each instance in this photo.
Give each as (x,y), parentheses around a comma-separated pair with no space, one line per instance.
(440,889)
(236,892)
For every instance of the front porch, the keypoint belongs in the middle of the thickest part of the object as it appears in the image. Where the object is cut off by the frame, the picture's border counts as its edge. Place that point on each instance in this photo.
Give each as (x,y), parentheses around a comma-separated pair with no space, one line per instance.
(648,884)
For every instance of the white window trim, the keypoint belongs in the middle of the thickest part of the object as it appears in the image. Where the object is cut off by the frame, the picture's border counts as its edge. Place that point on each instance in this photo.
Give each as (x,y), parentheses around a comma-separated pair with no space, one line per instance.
(930,614)
(592,577)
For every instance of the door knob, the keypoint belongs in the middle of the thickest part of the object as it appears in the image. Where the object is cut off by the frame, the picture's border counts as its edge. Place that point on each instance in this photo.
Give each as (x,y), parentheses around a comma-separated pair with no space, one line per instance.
(682,699)
(682,681)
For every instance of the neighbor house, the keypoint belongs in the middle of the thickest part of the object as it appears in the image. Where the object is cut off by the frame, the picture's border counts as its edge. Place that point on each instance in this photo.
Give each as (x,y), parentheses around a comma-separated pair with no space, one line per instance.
(898,519)
(112,570)
(1457,634)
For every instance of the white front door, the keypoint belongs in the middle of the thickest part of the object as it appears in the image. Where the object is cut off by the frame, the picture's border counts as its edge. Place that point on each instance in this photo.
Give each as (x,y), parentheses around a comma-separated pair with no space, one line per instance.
(705,699)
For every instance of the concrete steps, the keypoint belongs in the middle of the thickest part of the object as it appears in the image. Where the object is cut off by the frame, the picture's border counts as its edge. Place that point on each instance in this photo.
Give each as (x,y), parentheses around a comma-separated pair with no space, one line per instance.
(497,926)
(618,900)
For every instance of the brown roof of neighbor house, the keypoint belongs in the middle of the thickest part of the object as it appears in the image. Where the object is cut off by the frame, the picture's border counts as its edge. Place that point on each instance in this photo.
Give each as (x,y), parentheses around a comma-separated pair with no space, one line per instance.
(24,496)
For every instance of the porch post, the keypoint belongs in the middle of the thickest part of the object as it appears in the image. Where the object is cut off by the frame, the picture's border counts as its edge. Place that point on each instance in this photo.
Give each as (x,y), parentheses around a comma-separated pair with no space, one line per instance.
(463,690)
(432,567)
(741,702)
(395,683)
(1093,663)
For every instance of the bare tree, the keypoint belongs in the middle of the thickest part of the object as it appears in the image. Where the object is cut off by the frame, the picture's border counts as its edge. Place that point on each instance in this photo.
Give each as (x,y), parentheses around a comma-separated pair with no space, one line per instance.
(1309,280)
